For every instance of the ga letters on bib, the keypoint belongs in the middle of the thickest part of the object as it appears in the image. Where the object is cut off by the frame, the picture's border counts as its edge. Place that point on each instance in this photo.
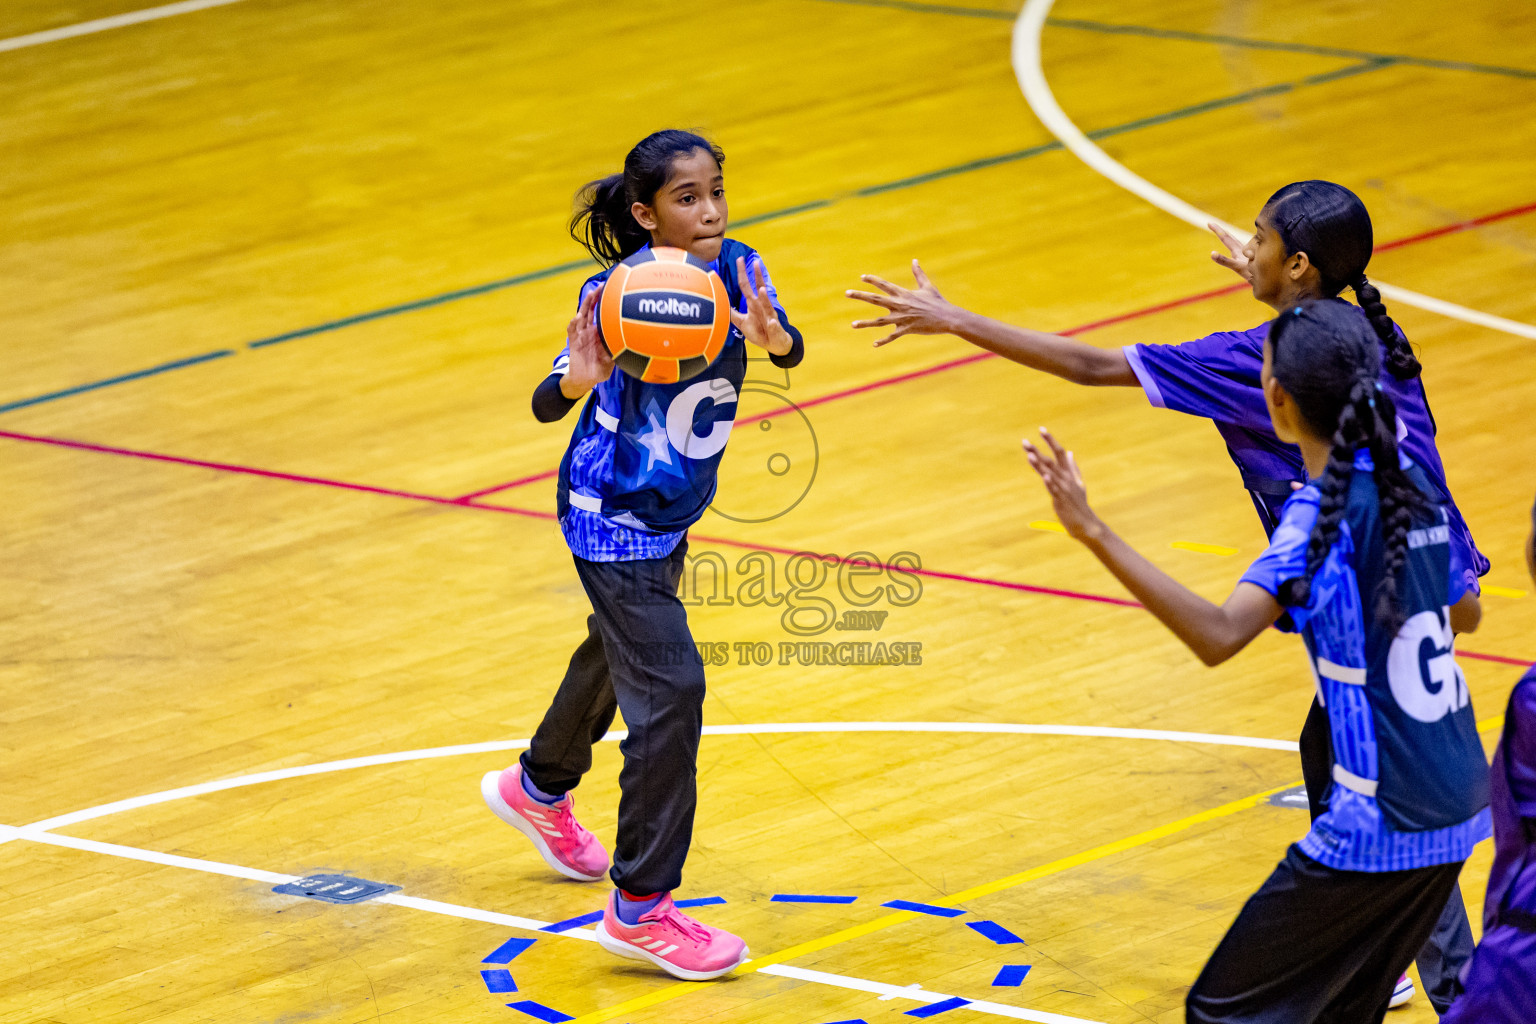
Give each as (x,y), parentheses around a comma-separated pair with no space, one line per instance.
(1410,782)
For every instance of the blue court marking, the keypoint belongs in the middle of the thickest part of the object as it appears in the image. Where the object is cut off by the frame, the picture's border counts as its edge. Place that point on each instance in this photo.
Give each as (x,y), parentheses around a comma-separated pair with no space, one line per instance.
(702,901)
(1011,976)
(855,1020)
(1154,32)
(499,980)
(124,378)
(994,931)
(923,908)
(785,897)
(540,1011)
(508,951)
(1372,64)
(573,922)
(934,1009)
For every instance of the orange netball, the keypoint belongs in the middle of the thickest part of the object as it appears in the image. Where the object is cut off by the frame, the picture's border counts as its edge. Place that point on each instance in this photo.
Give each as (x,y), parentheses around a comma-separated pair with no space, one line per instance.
(664,315)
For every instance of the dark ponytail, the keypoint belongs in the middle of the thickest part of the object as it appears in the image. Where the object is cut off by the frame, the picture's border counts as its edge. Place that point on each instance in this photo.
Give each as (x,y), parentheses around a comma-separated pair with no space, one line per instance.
(1330,224)
(603,222)
(1323,358)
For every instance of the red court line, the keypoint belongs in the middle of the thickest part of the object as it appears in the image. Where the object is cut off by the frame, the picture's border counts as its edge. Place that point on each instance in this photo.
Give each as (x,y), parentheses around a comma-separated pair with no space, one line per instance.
(1493,657)
(1028,588)
(1075,595)
(885,382)
(270,474)
(464,498)
(228,467)
(1449,229)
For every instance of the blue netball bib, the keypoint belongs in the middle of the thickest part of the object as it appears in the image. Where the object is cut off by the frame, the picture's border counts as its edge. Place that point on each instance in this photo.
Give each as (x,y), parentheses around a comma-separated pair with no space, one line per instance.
(1410,783)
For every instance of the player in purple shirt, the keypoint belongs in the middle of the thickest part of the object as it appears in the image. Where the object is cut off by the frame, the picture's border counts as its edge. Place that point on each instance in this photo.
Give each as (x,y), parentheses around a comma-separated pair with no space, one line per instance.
(1312,240)
(1501,980)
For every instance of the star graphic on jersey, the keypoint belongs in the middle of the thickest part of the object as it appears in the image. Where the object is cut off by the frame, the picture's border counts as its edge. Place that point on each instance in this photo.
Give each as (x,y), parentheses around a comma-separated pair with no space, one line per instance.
(654,439)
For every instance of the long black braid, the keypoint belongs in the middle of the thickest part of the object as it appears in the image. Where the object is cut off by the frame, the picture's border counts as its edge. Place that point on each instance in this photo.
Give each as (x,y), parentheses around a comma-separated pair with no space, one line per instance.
(1330,224)
(1401,362)
(1325,361)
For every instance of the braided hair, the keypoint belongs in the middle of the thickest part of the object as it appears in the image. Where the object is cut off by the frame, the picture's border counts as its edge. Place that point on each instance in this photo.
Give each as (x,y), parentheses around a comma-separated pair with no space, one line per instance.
(603,222)
(1326,362)
(1330,224)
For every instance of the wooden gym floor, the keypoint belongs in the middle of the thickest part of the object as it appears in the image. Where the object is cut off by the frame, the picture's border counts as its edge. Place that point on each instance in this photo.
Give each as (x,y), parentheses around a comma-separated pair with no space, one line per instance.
(276,280)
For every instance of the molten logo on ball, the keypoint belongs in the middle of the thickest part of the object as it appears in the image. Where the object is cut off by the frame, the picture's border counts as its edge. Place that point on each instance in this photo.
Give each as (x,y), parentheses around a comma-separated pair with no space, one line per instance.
(670,307)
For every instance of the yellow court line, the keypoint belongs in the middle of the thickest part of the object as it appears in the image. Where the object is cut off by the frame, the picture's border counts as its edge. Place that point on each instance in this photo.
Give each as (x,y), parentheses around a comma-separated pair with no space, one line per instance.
(1202,549)
(1493,591)
(1032,874)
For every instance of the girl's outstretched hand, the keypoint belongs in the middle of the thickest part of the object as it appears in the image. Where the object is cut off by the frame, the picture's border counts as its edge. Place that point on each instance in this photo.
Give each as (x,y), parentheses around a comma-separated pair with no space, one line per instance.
(760,323)
(923,311)
(591,362)
(1237,261)
(1064,481)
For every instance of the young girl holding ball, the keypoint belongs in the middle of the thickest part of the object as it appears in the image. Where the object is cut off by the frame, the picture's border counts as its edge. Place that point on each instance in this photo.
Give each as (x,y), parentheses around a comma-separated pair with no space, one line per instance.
(639,471)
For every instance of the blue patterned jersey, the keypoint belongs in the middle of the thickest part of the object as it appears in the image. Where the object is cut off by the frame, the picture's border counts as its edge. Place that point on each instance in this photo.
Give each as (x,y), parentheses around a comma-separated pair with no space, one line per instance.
(641,465)
(1410,782)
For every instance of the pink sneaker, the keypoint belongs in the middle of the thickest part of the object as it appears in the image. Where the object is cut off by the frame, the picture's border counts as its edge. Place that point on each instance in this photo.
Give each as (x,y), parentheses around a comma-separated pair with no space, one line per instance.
(671,940)
(556,834)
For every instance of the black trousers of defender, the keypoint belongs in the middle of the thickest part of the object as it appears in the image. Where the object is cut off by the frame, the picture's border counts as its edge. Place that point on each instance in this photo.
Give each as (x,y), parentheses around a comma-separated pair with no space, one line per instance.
(1449,946)
(640,657)
(1319,946)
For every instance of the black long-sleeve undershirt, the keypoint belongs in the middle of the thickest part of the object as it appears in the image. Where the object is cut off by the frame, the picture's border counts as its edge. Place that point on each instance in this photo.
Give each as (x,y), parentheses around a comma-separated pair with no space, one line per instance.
(549,402)
(790,359)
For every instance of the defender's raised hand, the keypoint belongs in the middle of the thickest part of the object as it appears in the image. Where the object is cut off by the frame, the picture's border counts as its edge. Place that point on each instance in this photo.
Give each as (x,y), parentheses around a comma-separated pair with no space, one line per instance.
(919,311)
(1064,482)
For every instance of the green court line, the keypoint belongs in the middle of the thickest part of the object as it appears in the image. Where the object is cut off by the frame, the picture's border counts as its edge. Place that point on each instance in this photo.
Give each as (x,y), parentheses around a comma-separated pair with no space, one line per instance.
(1153,32)
(1243,97)
(982,163)
(1269,44)
(1236,99)
(922,8)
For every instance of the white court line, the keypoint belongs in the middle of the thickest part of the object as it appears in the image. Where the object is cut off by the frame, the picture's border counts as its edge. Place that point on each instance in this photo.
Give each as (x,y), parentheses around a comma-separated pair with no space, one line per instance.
(172,860)
(397,899)
(39,831)
(772,728)
(1037,93)
(400,899)
(917,993)
(86,28)
(214,867)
